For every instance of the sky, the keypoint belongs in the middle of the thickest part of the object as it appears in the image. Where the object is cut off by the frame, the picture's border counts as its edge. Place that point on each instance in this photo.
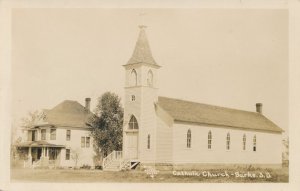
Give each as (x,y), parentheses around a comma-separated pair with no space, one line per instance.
(225,57)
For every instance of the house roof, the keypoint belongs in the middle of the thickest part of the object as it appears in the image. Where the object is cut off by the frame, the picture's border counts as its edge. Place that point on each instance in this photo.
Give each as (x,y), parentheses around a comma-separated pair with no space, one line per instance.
(142,52)
(38,144)
(68,113)
(186,111)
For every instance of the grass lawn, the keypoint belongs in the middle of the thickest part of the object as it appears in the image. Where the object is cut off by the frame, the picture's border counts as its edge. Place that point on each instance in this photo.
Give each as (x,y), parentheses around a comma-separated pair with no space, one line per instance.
(204,175)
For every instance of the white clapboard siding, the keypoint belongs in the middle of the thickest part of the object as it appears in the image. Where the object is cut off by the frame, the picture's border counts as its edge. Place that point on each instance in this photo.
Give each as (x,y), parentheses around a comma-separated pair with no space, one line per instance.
(268,146)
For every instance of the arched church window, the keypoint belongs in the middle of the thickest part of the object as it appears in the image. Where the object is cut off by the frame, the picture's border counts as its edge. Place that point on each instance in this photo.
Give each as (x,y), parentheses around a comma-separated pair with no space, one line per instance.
(209,140)
(133,124)
(254,143)
(228,141)
(188,139)
(133,78)
(150,78)
(148,141)
(244,142)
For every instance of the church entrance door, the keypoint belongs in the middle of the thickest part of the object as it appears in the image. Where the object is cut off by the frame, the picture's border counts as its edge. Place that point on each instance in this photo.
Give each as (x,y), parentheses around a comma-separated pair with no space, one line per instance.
(132,145)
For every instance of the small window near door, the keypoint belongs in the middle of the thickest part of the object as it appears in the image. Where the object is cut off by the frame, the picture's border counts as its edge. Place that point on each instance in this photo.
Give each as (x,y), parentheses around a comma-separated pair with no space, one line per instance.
(43,132)
(82,142)
(53,134)
(68,135)
(67,154)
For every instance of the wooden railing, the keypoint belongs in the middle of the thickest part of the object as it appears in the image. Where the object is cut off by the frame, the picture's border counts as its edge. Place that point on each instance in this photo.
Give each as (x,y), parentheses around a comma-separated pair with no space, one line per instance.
(27,164)
(36,163)
(124,164)
(113,156)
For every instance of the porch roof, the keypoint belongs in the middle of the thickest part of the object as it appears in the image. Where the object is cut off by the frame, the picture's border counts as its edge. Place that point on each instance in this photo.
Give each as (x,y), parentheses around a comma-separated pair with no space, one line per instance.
(38,144)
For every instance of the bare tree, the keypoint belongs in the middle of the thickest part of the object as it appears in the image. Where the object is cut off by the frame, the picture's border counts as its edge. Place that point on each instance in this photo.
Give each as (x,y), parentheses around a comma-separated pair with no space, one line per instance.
(33,118)
(75,154)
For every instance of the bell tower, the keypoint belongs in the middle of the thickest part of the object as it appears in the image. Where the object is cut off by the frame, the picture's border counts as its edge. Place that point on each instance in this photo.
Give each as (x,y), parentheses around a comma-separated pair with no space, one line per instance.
(141,75)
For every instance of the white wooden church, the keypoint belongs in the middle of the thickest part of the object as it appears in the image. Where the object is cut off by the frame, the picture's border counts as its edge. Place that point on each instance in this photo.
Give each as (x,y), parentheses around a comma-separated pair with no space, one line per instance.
(164,131)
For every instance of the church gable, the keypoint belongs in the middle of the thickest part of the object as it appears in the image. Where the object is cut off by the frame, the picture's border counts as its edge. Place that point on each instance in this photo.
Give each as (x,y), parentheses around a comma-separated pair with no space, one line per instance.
(186,111)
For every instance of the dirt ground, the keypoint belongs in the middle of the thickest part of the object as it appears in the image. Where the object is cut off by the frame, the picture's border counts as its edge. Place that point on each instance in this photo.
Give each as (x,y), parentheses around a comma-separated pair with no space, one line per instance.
(254,175)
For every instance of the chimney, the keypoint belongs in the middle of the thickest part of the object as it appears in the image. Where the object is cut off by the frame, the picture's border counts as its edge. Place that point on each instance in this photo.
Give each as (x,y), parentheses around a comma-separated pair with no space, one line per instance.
(259,108)
(87,103)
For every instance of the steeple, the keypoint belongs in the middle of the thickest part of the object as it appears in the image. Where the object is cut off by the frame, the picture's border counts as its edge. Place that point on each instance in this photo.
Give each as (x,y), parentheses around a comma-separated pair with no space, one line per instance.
(142,52)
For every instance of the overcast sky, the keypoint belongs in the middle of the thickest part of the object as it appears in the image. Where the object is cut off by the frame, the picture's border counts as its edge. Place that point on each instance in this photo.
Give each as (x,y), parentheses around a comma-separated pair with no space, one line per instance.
(226,57)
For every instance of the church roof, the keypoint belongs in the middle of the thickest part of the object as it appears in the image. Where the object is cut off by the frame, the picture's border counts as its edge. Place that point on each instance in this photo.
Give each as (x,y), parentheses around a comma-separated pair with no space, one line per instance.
(68,113)
(186,111)
(142,52)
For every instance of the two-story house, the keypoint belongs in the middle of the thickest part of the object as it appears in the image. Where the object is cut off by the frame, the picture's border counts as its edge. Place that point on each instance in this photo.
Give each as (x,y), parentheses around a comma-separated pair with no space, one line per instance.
(63,138)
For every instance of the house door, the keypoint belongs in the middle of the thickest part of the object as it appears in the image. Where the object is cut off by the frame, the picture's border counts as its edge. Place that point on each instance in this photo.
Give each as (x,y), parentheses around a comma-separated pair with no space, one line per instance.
(132,145)
(39,153)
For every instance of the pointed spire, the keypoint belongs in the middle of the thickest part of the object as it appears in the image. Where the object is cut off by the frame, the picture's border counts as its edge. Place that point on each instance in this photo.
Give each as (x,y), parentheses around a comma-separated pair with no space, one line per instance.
(142,52)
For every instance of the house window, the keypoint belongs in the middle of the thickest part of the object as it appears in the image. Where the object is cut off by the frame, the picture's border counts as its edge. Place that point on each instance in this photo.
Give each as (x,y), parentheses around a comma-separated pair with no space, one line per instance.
(133,98)
(254,143)
(43,134)
(53,134)
(133,124)
(148,142)
(68,135)
(87,144)
(244,142)
(82,142)
(188,139)
(53,153)
(228,141)
(67,154)
(150,78)
(133,78)
(209,140)
(33,135)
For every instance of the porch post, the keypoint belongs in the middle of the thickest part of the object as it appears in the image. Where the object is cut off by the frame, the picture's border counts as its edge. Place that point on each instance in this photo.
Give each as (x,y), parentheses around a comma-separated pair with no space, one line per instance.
(46,156)
(29,156)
